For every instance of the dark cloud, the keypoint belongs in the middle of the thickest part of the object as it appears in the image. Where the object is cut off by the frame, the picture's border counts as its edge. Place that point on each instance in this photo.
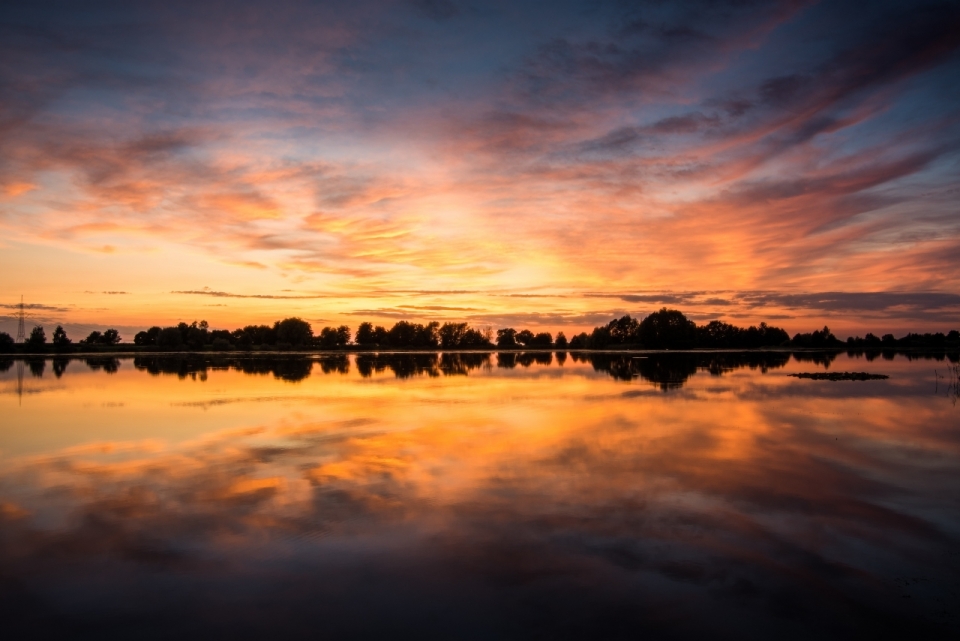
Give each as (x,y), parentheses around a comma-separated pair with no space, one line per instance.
(36,307)
(667,299)
(912,302)
(537,319)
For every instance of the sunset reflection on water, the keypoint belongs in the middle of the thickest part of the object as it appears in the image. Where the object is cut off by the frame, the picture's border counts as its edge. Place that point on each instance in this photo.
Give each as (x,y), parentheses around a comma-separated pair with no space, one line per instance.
(460,496)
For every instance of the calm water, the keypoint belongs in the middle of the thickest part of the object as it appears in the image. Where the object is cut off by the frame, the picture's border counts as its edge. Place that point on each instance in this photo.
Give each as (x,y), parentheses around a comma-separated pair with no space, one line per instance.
(479,497)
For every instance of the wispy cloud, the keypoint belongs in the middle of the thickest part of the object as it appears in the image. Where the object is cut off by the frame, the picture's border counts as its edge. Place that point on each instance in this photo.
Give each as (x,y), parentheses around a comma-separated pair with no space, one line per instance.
(216,294)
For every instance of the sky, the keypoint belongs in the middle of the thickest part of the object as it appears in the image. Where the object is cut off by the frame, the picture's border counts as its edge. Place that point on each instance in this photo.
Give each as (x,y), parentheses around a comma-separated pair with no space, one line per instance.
(548,165)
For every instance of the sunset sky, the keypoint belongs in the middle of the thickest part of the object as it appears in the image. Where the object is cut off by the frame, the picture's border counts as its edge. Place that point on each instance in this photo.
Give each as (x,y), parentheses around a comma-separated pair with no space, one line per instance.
(532,164)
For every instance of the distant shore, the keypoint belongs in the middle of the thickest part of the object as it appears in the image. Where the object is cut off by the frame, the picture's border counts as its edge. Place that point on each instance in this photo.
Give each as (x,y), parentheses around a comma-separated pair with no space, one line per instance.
(663,330)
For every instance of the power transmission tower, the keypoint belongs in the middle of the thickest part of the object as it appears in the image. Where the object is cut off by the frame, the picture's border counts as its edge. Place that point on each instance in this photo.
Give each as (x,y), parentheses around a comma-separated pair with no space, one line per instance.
(21,332)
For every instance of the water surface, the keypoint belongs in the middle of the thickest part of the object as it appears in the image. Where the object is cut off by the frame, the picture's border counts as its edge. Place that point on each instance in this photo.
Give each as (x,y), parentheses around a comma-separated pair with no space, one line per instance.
(478,496)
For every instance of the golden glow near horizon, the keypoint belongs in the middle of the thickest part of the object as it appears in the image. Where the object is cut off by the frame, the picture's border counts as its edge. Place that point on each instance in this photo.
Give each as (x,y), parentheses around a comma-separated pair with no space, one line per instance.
(201,173)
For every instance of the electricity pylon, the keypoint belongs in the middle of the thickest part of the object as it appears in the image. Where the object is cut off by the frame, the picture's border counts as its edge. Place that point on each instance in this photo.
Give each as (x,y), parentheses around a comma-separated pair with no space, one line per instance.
(21,331)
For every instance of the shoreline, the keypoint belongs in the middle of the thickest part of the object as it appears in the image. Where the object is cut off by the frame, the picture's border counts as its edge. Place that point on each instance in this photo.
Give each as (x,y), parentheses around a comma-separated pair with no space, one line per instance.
(134,351)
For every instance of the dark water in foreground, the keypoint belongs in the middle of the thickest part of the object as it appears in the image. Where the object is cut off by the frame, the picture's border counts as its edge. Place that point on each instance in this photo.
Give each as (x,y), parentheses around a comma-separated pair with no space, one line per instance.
(479,497)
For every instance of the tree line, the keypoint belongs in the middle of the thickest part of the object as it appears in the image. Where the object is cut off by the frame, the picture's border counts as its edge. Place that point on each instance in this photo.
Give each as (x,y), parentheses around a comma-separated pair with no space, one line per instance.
(663,329)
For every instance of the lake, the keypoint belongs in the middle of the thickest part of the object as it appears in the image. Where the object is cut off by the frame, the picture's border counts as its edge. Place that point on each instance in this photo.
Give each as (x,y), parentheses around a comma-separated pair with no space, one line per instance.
(479,496)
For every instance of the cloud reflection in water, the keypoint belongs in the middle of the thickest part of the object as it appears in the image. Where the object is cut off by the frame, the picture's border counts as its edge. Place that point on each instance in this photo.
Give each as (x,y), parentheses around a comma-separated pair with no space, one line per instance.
(534,502)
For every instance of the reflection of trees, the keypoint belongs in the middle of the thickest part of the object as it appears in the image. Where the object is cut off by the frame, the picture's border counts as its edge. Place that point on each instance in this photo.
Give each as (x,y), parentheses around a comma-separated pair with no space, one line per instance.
(510,360)
(671,371)
(289,368)
(60,365)
(367,364)
(37,365)
(889,354)
(408,365)
(721,362)
(666,371)
(338,364)
(817,358)
(292,369)
(459,363)
(5,364)
(108,364)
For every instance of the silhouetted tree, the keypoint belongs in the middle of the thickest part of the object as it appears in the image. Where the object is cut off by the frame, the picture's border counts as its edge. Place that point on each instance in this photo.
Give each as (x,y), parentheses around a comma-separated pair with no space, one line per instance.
(506,338)
(624,330)
(764,336)
(667,329)
(869,341)
(366,336)
(333,337)
(6,343)
(476,338)
(461,335)
(170,338)
(193,335)
(723,335)
(407,334)
(109,337)
(580,341)
(451,334)
(60,341)
(824,338)
(38,338)
(542,340)
(718,334)
(524,337)
(254,335)
(221,335)
(294,331)
(599,338)
(561,341)
(147,338)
